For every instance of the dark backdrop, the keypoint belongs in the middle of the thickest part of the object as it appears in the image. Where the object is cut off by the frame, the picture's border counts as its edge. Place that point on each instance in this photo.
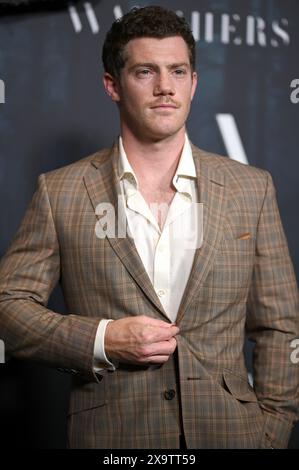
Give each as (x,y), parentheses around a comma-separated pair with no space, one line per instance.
(53,111)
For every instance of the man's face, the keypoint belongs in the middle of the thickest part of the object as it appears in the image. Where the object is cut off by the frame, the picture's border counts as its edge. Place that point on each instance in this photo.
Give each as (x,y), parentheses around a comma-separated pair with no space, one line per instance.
(155,87)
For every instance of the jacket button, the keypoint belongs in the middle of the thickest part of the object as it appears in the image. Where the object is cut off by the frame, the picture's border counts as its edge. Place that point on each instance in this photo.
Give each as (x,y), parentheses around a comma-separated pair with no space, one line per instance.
(169,394)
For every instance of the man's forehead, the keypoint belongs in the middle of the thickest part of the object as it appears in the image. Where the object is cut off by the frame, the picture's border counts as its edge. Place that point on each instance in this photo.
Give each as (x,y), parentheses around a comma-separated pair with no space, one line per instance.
(153,49)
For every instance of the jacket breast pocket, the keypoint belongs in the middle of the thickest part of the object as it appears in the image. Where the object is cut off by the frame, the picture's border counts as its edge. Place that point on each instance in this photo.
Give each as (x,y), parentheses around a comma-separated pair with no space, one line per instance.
(233,267)
(238,246)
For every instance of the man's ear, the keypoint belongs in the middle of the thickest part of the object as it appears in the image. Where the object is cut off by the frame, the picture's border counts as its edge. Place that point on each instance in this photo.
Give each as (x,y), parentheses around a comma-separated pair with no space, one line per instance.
(111,86)
(194,84)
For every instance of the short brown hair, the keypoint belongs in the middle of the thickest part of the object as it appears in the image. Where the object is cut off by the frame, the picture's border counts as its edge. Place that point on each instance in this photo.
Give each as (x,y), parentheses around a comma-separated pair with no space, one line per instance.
(151,21)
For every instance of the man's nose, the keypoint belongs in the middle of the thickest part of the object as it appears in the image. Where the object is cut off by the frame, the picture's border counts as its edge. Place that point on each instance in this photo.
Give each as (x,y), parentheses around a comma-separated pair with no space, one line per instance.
(163,84)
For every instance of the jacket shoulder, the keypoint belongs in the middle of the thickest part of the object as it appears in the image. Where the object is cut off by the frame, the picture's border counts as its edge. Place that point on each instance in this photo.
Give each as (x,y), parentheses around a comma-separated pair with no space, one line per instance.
(236,174)
(74,172)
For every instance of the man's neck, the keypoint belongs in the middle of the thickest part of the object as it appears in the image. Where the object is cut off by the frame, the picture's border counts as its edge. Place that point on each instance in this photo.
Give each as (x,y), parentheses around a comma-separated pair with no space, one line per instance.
(154,163)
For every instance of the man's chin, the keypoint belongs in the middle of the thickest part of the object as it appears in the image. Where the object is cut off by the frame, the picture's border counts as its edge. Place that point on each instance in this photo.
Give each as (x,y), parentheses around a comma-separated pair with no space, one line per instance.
(160,134)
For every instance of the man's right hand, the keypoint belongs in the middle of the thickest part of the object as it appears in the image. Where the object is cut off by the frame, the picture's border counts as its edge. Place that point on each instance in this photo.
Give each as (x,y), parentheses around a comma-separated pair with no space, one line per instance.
(140,340)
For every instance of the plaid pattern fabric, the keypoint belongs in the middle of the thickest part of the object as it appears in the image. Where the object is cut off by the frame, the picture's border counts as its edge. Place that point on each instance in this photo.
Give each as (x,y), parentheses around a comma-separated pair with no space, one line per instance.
(242,279)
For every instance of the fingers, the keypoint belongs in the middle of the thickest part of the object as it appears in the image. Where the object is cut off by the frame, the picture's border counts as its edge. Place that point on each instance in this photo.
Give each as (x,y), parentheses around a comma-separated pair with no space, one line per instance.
(158,334)
(161,348)
(158,342)
(156,330)
(157,360)
(155,321)
(140,339)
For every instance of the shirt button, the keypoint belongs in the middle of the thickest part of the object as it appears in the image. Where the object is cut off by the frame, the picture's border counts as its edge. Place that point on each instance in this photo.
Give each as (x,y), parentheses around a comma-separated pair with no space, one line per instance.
(161,292)
(169,394)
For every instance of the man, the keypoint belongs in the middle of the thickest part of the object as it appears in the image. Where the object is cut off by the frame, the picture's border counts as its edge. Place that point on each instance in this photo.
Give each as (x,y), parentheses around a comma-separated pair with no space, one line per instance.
(155,334)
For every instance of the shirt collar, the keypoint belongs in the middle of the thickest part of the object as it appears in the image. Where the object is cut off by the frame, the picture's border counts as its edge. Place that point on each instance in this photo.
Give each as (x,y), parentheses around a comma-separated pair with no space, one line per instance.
(181,180)
(185,170)
(125,171)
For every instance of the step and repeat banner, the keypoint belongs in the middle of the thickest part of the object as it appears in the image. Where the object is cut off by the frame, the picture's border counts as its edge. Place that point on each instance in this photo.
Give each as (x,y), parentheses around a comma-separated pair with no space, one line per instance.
(53,111)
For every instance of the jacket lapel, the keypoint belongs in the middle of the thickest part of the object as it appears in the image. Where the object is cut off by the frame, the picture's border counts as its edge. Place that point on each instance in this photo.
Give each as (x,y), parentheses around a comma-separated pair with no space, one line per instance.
(212,193)
(101,182)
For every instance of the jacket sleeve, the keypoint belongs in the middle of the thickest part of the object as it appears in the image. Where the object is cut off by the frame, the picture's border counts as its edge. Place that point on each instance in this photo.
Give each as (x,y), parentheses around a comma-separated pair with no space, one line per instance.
(272,324)
(28,273)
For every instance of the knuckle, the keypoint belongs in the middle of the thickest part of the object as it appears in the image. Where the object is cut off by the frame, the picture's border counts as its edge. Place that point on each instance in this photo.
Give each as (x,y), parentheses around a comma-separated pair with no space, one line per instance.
(150,338)
(143,350)
(145,336)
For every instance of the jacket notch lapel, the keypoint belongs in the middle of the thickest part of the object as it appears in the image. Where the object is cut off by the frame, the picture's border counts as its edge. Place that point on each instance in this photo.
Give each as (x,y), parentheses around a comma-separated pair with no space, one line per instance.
(101,182)
(212,193)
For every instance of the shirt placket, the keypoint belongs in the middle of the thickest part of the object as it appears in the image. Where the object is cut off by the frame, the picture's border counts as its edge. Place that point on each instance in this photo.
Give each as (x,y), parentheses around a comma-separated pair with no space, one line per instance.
(162,279)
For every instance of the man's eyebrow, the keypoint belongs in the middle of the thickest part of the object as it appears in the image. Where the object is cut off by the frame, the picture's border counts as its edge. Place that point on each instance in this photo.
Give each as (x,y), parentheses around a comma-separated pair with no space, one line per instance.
(143,64)
(156,66)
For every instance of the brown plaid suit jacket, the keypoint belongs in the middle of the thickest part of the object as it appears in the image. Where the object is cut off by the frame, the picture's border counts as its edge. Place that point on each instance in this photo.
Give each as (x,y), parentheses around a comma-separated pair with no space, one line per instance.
(242,280)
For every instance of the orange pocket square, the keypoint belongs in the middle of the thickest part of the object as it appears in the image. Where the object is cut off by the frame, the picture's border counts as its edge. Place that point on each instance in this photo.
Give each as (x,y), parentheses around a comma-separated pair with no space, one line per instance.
(244,236)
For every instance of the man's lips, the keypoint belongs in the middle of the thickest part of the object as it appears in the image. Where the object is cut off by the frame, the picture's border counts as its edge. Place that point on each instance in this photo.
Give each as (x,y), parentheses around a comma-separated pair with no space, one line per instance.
(164,105)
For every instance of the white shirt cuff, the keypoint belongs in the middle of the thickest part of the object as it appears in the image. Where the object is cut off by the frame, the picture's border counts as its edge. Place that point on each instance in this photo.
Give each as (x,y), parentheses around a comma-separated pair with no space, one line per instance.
(101,363)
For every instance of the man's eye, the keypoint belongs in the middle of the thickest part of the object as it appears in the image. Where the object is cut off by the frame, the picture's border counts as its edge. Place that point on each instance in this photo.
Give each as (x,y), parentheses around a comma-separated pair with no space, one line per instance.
(143,72)
(180,72)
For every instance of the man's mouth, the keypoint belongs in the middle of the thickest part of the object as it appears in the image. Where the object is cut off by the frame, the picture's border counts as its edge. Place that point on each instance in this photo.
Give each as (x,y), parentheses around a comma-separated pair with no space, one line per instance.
(164,106)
